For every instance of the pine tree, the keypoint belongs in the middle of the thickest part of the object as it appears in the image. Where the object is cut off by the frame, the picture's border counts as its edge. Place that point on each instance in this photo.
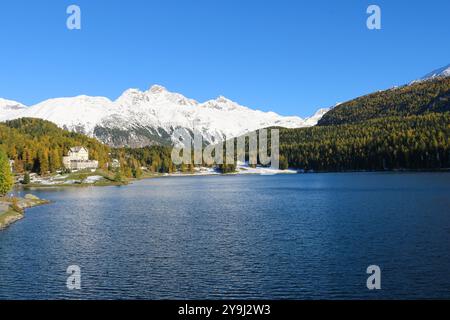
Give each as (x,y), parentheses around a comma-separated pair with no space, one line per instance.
(118,176)
(26,178)
(283,163)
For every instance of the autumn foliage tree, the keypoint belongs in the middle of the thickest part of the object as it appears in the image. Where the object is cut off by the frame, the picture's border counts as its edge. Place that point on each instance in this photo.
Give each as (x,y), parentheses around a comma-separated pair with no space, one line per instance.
(6,178)
(38,146)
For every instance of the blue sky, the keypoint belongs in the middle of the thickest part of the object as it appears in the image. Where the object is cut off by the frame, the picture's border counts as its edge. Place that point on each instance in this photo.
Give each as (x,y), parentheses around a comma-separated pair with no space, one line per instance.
(291,57)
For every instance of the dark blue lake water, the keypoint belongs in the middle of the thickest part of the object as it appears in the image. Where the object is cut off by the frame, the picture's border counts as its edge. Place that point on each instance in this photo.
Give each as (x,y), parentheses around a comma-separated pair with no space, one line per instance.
(283,237)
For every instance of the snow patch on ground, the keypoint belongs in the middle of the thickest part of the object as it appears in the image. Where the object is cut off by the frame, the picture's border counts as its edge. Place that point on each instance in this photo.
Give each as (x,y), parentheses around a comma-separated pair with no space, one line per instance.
(92,179)
(245,169)
(241,169)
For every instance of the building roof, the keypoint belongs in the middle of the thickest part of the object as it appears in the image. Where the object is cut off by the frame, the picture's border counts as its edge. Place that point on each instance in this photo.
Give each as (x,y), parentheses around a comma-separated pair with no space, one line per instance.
(77,149)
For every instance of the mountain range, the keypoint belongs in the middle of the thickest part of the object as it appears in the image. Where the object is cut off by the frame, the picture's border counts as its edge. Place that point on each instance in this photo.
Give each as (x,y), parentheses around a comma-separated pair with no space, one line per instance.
(140,118)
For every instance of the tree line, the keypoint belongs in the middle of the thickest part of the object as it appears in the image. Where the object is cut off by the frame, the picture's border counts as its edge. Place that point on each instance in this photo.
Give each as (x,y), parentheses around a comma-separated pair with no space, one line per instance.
(413,142)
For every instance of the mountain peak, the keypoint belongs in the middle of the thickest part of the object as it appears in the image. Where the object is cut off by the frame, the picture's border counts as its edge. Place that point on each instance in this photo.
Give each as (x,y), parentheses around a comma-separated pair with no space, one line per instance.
(129,95)
(131,92)
(222,103)
(223,99)
(157,89)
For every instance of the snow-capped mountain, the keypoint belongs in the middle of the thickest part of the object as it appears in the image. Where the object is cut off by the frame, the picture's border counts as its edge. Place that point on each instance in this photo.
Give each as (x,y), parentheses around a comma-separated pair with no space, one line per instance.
(438,73)
(10,108)
(139,118)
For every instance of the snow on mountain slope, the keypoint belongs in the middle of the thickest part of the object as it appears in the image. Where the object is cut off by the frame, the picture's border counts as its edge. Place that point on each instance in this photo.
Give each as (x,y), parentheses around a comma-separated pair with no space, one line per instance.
(441,72)
(312,121)
(438,73)
(138,118)
(81,114)
(9,108)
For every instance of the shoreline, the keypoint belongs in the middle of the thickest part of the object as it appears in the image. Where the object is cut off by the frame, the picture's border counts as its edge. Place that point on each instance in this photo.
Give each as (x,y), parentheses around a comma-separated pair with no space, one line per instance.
(32,186)
(9,217)
(110,183)
(14,212)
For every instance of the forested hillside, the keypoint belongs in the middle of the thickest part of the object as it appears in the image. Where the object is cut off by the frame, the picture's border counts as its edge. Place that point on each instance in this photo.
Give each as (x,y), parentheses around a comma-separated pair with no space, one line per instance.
(419,98)
(402,128)
(414,142)
(38,145)
(156,159)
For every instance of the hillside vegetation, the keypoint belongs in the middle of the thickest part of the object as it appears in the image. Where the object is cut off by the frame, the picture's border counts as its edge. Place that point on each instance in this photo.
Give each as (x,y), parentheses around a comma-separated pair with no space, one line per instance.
(416,99)
(403,128)
(38,146)
(413,142)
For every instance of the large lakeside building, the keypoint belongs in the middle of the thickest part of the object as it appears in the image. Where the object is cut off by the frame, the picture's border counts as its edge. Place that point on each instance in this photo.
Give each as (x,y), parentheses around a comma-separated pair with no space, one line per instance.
(78,159)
